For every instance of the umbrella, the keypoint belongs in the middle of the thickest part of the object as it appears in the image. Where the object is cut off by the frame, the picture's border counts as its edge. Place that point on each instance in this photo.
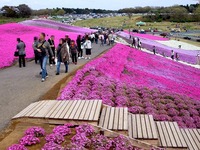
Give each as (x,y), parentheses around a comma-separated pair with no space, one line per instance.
(140,23)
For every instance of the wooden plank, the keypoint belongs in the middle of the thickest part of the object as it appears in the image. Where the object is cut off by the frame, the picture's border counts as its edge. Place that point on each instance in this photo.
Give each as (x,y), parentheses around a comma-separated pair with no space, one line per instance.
(149,128)
(45,109)
(125,118)
(130,127)
(24,111)
(79,110)
(191,139)
(70,109)
(98,110)
(166,134)
(93,110)
(162,141)
(134,126)
(139,127)
(180,135)
(81,117)
(35,108)
(87,114)
(53,109)
(62,108)
(102,117)
(57,110)
(144,129)
(116,119)
(189,145)
(153,127)
(75,110)
(197,135)
(39,109)
(178,141)
(66,109)
(171,136)
(121,119)
(111,119)
(107,117)
(195,138)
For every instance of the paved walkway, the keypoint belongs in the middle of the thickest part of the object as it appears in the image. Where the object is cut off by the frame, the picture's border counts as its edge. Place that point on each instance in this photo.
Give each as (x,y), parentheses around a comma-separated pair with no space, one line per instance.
(21,86)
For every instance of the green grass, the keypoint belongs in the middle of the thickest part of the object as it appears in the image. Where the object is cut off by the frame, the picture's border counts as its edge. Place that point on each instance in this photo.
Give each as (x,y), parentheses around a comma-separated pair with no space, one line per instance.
(4,20)
(126,23)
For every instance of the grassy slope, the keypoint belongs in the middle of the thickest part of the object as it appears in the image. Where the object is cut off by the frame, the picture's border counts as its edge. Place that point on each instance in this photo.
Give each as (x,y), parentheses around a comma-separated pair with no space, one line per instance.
(118,22)
(10,20)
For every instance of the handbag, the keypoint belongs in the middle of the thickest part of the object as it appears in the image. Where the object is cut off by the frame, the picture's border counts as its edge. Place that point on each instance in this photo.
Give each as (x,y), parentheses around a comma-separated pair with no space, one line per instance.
(16,53)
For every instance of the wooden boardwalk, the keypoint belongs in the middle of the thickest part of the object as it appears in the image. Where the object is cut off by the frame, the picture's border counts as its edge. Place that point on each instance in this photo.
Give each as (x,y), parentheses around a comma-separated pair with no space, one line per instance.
(82,110)
(136,126)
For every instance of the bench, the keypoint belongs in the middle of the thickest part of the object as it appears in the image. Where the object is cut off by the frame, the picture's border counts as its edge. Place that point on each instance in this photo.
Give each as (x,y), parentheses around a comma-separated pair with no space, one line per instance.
(192,138)
(142,127)
(114,118)
(53,110)
(170,135)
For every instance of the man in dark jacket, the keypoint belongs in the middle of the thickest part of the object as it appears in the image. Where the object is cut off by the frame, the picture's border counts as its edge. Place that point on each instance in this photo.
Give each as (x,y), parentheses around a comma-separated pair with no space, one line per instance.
(52,44)
(21,49)
(44,50)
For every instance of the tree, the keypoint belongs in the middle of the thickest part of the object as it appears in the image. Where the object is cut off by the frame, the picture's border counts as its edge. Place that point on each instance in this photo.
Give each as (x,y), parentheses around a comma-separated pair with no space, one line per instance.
(24,11)
(61,12)
(197,14)
(9,11)
(178,14)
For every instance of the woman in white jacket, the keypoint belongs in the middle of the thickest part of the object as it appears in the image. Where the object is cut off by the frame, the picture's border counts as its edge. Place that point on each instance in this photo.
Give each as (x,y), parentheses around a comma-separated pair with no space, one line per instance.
(88,48)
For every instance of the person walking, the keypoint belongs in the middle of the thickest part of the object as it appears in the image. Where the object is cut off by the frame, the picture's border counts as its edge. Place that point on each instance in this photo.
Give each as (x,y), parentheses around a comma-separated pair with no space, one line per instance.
(52,44)
(78,43)
(73,50)
(44,51)
(172,54)
(88,48)
(134,43)
(96,38)
(35,42)
(198,58)
(62,56)
(177,56)
(22,53)
(154,50)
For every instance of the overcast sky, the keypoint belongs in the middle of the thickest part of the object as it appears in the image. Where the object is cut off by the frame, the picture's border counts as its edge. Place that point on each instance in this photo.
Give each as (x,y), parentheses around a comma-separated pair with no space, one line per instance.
(104,4)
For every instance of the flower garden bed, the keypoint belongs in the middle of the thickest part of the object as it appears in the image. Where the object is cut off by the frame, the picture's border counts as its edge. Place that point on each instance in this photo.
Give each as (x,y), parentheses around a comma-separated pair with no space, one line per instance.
(10,32)
(146,84)
(57,25)
(65,137)
(147,36)
(188,56)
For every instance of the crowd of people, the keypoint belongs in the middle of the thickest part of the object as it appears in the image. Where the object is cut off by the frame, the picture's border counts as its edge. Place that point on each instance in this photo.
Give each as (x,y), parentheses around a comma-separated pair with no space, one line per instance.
(67,51)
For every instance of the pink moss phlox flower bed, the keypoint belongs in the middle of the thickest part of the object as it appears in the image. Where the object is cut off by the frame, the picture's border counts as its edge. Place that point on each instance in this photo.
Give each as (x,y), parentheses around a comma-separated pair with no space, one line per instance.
(57,25)
(10,32)
(147,84)
(188,56)
(147,36)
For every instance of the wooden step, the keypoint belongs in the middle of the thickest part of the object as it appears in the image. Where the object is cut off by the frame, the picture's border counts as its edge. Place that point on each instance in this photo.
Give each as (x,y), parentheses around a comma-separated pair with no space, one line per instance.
(114,118)
(142,127)
(170,135)
(82,110)
(192,138)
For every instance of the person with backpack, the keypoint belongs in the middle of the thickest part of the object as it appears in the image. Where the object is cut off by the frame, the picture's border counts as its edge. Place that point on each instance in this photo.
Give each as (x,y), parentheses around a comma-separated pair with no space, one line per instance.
(78,43)
(62,56)
(88,47)
(73,50)
(22,53)
(44,51)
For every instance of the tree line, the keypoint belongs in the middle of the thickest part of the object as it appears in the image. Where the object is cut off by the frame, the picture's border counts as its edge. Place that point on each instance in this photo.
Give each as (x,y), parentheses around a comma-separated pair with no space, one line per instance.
(188,13)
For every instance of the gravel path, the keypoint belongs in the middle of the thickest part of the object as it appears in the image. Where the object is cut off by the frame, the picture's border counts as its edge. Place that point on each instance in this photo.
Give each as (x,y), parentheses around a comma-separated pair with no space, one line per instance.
(20,87)
(175,44)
